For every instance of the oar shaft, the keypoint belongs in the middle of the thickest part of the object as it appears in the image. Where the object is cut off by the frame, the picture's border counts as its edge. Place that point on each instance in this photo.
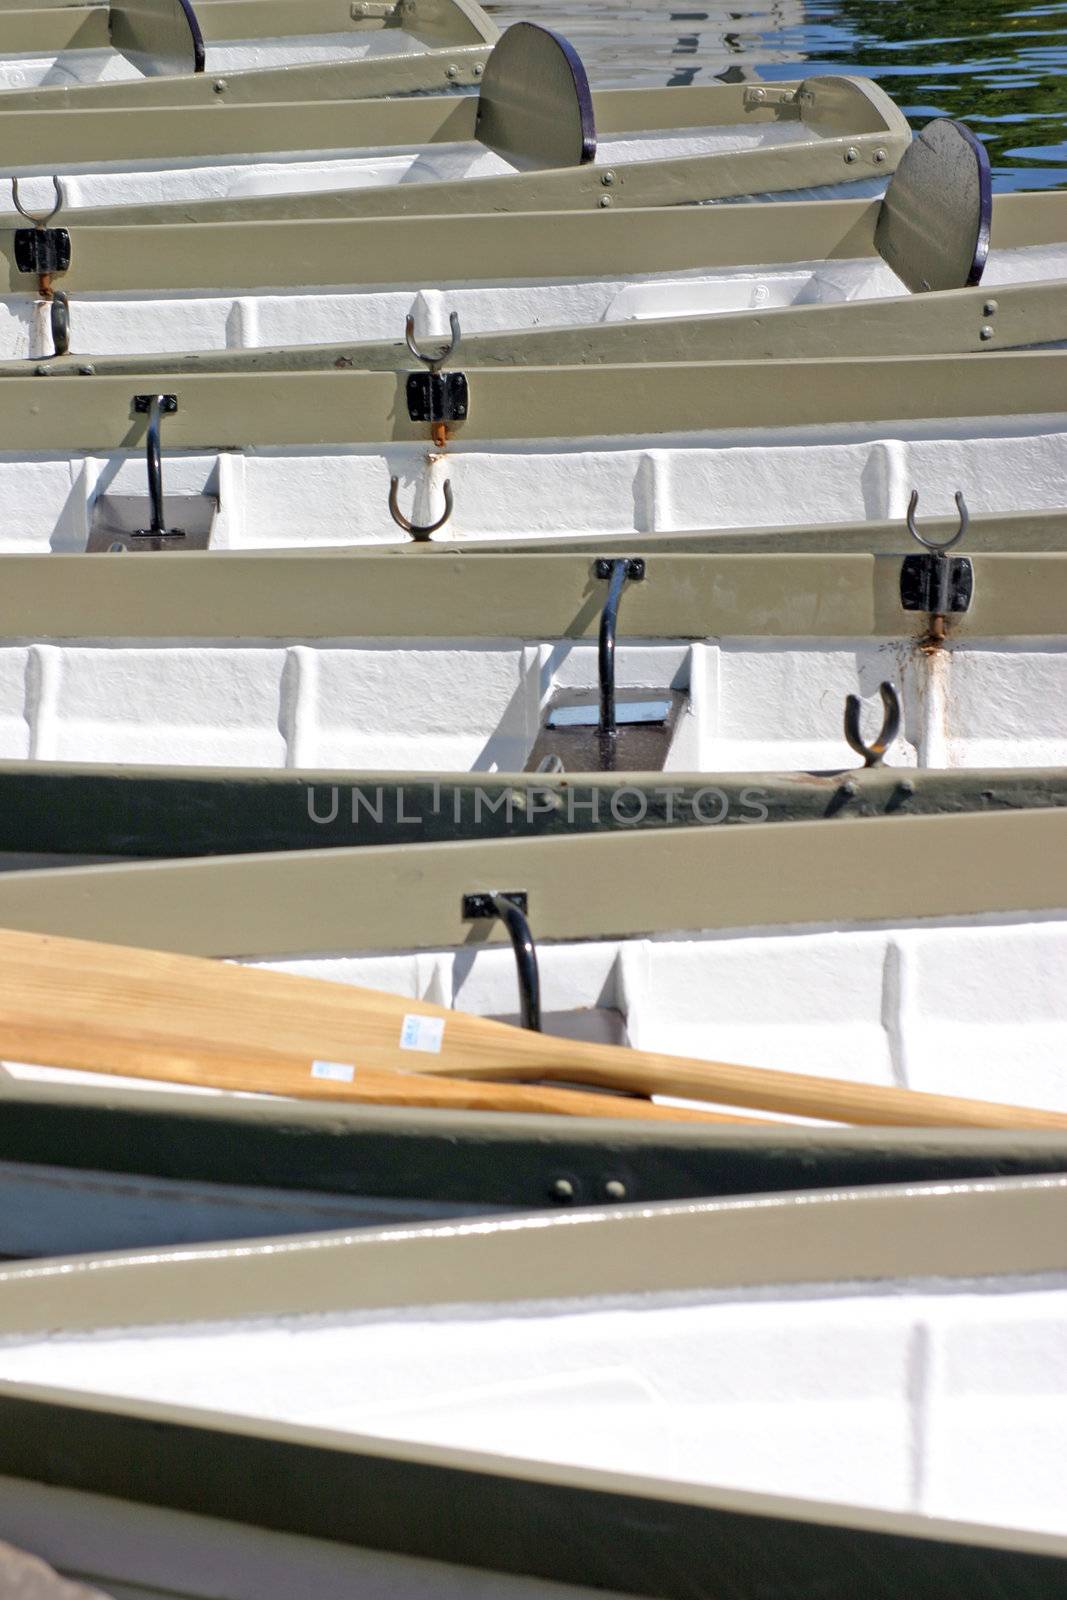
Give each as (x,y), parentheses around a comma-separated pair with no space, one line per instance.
(795,1094)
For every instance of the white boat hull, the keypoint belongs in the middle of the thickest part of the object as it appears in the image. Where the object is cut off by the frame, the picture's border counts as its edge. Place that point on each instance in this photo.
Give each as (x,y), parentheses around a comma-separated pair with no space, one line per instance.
(157,322)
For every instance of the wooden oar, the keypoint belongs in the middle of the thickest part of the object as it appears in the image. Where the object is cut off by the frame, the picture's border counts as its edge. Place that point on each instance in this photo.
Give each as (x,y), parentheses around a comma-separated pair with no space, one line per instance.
(95,1018)
(109,1008)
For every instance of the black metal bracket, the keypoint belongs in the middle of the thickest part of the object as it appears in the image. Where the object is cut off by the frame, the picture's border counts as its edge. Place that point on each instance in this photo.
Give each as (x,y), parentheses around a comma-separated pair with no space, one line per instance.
(937,584)
(155,406)
(437,396)
(42,251)
(616,572)
(511,908)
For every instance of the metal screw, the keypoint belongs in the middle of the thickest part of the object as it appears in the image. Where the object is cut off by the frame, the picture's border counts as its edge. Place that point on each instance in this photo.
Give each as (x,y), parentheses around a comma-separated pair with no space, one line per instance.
(879,155)
(478,70)
(615,1189)
(986,332)
(563,1189)
(220,86)
(757,96)
(451,72)
(41,372)
(605,200)
(607,179)
(989,309)
(87,372)
(852,154)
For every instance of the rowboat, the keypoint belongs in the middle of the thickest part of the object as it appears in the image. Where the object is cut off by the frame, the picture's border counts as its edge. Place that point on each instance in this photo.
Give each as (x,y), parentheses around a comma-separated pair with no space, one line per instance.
(534,138)
(172,52)
(796,279)
(96,1165)
(315,458)
(903,1340)
(725,655)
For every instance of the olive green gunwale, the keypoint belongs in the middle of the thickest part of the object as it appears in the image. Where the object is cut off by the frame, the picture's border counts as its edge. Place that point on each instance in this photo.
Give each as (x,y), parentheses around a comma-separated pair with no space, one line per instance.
(843,114)
(477,1158)
(341,251)
(92,1460)
(233,411)
(111,257)
(974,1229)
(459,592)
(55,813)
(953,321)
(580,886)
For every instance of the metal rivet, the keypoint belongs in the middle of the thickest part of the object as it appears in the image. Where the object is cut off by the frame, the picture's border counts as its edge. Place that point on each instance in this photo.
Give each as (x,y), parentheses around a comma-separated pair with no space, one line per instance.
(852,154)
(615,1189)
(607,179)
(906,786)
(989,309)
(562,1189)
(220,86)
(986,332)
(848,788)
(87,372)
(879,155)
(41,372)
(478,70)
(757,96)
(605,200)
(451,72)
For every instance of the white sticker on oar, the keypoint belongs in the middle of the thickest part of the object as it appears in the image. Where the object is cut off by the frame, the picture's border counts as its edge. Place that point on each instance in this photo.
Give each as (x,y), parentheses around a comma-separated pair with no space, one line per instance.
(339,1071)
(423,1033)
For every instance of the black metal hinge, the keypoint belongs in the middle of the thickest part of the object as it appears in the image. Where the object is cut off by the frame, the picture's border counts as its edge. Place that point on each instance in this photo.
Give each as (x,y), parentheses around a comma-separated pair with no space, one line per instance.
(437,396)
(42,250)
(938,584)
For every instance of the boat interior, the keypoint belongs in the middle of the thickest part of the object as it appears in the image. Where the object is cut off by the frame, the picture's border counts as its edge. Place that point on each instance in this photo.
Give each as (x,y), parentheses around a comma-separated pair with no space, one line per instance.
(890,1353)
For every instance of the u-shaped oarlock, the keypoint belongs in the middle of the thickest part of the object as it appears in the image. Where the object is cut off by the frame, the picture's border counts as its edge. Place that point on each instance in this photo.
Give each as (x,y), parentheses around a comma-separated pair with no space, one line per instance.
(419,531)
(434,362)
(616,571)
(42,220)
(934,582)
(155,405)
(932,544)
(872,753)
(511,908)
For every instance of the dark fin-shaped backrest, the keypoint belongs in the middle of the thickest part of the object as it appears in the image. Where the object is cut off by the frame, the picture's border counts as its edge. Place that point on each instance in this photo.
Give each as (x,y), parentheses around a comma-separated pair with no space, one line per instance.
(933,229)
(535,106)
(161,37)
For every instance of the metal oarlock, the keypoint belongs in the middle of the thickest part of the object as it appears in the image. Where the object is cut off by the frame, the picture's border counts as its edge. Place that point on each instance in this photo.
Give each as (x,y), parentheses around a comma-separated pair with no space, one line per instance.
(873,752)
(439,398)
(419,531)
(932,582)
(46,252)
